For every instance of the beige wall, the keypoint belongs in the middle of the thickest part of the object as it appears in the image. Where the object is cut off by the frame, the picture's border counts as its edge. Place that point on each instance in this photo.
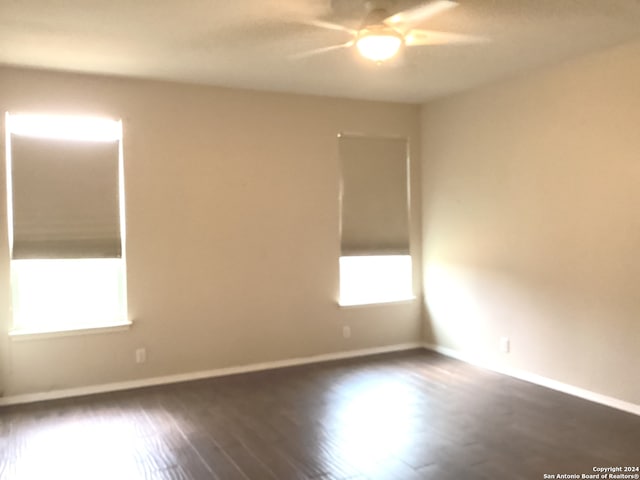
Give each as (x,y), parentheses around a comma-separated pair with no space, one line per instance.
(531,222)
(232,218)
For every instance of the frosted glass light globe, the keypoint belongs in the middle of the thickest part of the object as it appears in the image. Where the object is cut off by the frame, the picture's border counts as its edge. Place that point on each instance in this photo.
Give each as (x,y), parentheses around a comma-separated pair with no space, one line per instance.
(379,45)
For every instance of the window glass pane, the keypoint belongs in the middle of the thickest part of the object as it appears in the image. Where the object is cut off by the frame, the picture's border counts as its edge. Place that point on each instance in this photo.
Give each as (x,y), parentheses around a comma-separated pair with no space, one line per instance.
(50,295)
(375,262)
(65,220)
(375,279)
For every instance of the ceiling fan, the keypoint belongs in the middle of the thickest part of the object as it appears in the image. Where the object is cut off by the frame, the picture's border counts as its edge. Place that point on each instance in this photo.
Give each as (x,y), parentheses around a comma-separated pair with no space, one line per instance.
(381,36)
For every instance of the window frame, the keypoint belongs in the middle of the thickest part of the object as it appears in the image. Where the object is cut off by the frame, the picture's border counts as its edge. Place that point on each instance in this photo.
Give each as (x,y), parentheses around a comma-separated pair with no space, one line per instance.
(20,330)
(407,296)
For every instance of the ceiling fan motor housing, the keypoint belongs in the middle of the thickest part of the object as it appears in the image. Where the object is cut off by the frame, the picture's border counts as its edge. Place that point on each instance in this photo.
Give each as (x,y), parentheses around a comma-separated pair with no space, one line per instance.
(375,17)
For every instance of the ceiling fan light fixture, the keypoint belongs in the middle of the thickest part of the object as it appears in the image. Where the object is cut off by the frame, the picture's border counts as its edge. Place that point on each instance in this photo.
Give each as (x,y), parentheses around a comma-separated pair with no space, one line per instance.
(379,44)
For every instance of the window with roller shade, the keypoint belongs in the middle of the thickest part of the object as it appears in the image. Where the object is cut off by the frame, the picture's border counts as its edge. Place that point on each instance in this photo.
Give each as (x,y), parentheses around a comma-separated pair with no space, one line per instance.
(375,261)
(66,222)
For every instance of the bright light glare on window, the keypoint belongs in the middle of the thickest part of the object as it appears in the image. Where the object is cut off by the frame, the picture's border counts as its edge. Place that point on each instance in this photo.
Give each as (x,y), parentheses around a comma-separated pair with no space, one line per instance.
(375,279)
(62,294)
(65,127)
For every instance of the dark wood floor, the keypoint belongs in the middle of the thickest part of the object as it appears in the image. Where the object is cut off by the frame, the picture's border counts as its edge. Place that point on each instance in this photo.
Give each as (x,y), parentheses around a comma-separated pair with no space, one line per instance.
(412,415)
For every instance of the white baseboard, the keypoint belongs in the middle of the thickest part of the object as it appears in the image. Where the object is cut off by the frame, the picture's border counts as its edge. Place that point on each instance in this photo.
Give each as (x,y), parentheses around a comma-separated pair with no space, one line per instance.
(185,377)
(255,367)
(540,380)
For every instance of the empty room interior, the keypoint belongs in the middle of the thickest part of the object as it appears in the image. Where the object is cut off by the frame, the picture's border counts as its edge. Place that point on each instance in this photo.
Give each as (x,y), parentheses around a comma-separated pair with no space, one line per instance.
(320,239)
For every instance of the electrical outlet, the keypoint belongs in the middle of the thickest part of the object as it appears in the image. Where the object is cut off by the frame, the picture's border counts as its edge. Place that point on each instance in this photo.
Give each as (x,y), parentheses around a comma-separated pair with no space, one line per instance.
(141,355)
(505,345)
(346,331)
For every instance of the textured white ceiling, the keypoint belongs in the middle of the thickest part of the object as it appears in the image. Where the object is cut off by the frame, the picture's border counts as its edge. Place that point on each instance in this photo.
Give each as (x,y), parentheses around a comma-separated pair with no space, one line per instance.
(250,43)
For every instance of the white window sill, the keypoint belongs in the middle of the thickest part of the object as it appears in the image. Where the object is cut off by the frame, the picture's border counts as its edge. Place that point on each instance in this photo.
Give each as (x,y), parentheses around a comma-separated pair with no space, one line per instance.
(35,334)
(374,303)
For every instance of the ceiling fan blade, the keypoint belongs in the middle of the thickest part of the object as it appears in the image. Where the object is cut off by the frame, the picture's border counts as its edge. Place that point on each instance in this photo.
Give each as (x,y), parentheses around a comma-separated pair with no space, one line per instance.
(419,14)
(417,37)
(322,50)
(330,26)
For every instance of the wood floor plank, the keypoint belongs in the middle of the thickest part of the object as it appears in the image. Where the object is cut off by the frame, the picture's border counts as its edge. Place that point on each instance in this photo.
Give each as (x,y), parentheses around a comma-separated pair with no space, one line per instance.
(216,459)
(252,468)
(275,458)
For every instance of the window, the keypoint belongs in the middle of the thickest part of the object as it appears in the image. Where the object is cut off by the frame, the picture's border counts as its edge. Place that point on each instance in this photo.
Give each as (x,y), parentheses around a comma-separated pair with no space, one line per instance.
(65,212)
(375,262)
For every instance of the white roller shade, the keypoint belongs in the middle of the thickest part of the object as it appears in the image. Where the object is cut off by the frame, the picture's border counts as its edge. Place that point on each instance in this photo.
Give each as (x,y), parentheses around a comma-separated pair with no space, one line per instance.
(65,198)
(374,206)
